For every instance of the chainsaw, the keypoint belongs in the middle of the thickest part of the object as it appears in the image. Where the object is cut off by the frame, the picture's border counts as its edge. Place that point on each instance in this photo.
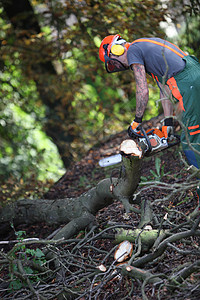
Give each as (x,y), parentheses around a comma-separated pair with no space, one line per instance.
(153,140)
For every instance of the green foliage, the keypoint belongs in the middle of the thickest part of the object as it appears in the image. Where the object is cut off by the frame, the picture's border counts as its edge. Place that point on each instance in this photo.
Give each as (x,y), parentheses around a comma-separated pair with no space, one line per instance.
(159,172)
(190,35)
(25,150)
(186,17)
(53,81)
(159,169)
(24,261)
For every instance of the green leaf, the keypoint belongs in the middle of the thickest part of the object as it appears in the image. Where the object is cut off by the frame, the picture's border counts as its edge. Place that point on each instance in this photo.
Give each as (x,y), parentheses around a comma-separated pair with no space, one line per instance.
(144,179)
(154,174)
(30,251)
(39,253)
(15,285)
(28,270)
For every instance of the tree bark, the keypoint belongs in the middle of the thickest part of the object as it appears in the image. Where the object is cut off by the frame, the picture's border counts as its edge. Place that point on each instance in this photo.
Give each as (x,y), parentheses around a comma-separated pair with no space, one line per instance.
(147,237)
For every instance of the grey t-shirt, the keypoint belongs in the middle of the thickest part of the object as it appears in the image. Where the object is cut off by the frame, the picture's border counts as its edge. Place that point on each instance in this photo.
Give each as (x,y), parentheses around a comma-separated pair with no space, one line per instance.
(152,52)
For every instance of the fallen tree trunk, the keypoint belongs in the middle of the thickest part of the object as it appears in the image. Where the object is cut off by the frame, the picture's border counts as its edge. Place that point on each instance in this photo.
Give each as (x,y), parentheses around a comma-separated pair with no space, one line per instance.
(147,237)
(78,213)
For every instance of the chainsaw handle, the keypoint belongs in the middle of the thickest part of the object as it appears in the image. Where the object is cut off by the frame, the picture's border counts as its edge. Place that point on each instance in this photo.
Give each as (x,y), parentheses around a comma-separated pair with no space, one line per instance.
(147,140)
(133,133)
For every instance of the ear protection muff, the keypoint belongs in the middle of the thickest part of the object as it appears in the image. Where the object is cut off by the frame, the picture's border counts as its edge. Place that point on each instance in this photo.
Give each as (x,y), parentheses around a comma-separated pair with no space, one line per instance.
(117,50)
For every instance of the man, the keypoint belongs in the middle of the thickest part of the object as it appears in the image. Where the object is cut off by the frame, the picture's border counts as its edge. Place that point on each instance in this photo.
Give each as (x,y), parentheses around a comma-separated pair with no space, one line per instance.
(175,72)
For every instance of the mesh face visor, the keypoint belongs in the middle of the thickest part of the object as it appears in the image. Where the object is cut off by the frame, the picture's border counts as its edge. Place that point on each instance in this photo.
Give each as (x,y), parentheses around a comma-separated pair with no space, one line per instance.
(111,64)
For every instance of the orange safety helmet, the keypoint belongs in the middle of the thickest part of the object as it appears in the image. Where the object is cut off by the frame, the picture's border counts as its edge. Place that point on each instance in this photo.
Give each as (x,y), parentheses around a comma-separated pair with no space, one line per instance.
(112,43)
(107,40)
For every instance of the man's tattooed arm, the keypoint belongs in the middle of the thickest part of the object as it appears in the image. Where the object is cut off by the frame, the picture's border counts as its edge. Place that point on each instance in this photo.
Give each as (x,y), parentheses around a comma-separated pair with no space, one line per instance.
(142,92)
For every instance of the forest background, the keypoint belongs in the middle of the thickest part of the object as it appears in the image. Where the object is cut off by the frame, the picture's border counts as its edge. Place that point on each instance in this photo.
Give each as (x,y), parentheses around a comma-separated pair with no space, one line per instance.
(57,100)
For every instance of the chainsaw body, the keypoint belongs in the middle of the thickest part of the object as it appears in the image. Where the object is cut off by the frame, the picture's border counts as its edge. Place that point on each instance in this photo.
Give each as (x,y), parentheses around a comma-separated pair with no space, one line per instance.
(154,141)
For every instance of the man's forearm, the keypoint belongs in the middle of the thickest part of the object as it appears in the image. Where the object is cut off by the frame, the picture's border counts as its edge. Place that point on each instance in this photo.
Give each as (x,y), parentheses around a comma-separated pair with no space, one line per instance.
(167,108)
(166,103)
(142,98)
(168,124)
(142,92)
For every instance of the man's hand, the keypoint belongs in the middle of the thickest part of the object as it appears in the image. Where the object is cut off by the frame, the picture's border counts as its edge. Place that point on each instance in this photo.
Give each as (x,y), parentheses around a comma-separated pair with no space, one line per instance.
(133,129)
(168,128)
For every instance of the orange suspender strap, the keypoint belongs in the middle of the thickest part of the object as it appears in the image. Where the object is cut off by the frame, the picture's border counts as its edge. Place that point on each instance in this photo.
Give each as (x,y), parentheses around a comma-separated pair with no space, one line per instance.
(163,45)
(154,77)
(171,82)
(184,54)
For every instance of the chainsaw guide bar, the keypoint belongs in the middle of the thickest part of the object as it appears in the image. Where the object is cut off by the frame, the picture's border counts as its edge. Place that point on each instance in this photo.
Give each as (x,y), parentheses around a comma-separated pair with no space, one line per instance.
(110,160)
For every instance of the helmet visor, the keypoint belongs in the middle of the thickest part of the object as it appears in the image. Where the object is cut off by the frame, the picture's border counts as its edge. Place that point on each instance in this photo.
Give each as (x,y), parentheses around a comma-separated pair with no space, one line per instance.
(114,65)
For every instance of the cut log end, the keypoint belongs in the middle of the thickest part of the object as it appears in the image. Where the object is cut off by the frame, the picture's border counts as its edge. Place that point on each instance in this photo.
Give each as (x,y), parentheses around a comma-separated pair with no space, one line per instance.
(129,147)
(124,251)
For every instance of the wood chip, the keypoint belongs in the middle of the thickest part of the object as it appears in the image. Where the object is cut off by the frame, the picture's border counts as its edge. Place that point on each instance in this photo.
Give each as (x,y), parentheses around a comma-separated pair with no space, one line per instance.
(102,268)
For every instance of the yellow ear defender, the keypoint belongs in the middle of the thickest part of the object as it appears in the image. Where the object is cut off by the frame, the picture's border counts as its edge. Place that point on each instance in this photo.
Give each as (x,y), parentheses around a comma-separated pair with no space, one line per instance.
(117,50)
